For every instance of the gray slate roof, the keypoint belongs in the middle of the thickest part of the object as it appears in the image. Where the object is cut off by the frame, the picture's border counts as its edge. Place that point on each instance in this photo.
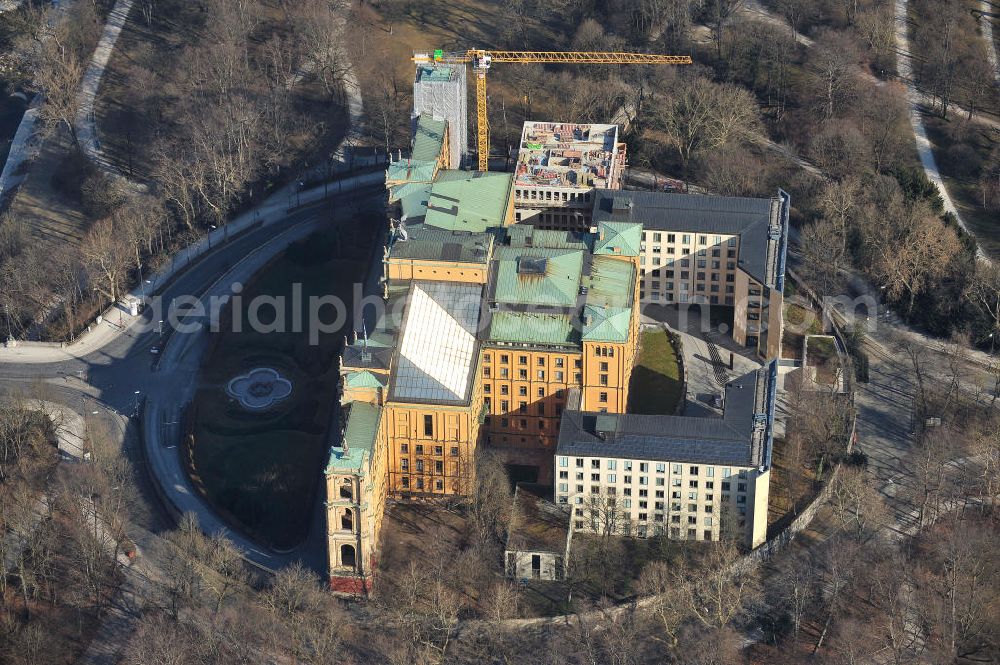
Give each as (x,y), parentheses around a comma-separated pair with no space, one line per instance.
(761,224)
(742,437)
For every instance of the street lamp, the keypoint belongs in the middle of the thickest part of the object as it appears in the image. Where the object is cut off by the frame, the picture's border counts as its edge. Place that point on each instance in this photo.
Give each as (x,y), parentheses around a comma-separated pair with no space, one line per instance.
(211,227)
(159,328)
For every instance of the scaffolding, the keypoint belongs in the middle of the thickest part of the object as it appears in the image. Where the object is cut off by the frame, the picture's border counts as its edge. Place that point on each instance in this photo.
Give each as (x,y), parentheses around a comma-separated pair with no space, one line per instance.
(439,90)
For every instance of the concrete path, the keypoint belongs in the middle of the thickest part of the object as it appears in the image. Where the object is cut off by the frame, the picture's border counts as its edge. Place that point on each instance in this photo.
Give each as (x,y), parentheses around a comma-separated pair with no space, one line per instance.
(85,124)
(904,63)
(23,148)
(988,14)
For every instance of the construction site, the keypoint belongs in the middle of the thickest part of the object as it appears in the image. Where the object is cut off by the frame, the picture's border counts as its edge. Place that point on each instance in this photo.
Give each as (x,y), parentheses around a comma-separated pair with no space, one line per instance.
(512,307)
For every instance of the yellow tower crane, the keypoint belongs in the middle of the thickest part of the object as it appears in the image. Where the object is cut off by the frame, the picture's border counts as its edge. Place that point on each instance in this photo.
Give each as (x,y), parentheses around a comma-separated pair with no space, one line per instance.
(482,60)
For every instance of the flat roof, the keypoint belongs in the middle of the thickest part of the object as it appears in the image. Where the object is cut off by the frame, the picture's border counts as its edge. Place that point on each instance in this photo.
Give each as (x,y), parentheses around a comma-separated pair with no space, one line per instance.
(564,154)
(761,224)
(536,523)
(468,200)
(740,438)
(435,73)
(438,348)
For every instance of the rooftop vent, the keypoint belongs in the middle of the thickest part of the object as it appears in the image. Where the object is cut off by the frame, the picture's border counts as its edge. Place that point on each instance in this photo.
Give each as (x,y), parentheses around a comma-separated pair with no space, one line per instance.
(529,265)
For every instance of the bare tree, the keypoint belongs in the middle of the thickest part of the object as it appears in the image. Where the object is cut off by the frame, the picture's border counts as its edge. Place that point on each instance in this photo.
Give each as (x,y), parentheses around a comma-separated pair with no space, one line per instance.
(107,255)
(699,115)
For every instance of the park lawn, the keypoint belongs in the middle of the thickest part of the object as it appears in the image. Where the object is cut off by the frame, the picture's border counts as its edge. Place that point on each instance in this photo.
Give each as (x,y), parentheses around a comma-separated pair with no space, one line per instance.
(262,469)
(655,385)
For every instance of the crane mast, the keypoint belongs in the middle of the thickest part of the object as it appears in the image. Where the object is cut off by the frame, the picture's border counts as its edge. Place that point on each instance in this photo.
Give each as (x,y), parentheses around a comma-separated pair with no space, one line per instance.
(482,60)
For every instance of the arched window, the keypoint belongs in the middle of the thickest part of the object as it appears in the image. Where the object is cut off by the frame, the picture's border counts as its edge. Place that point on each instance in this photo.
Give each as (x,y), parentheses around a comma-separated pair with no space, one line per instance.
(347,520)
(347,556)
(346,489)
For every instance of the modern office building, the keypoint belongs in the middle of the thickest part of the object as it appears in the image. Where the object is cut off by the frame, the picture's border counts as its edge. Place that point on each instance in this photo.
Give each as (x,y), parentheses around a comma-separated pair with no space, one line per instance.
(714,250)
(684,477)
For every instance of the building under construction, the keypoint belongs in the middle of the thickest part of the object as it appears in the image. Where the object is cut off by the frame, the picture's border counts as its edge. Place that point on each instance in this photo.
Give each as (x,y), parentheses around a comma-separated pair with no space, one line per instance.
(558,167)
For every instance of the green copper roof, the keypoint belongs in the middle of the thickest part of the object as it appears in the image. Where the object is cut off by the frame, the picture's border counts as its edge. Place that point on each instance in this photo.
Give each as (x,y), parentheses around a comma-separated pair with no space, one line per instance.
(414,202)
(428,139)
(434,73)
(606,324)
(611,282)
(468,200)
(359,435)
(410,170)
(533,328)
(526,235)
(538,276)
(363,379)
(625,236)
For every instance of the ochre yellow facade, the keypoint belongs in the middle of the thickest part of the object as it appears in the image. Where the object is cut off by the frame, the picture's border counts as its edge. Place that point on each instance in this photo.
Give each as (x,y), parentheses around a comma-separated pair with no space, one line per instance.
(407,270)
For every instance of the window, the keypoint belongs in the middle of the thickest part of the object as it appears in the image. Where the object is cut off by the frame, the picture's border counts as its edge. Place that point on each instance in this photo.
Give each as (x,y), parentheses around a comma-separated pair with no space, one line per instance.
(486,372)
(559,362)
(439,467)
(454,451)
(579,462)
(404,464)
(541,375)
(438,450)
(612,478)
(428,425)
(522,374)
(564,475)
(595,477)
(741,487)
(504,405)
(612,464)
(522,360)
(563,487)
(604,366)
(404,448)
(504,358)
(693,471)
(595,464)
(603,397)
(420,483)
(541,392)
(522,391)
(692,483)
(420,465)
(604,379)
(420,450)
(563,461)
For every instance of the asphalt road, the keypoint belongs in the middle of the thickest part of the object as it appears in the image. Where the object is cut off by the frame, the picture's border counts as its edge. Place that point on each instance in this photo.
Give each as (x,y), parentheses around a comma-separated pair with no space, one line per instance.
(116,381)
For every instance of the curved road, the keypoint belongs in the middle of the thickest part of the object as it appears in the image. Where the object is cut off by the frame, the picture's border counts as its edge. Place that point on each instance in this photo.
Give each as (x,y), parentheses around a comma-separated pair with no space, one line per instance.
(106,381)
